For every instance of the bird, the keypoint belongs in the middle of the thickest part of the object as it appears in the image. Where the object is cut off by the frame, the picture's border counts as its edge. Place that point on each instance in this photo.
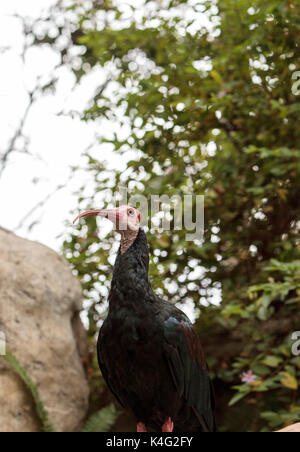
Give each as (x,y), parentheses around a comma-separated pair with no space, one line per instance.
(148,350)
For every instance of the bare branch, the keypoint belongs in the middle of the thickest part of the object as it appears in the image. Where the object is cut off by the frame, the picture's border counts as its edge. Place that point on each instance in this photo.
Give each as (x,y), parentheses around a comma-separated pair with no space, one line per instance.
(4,49)
(33,95)
(18,133)
(41,204)
(43,201)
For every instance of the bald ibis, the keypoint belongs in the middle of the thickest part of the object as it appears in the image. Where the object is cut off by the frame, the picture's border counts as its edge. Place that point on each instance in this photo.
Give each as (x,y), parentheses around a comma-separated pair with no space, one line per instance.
(148,351)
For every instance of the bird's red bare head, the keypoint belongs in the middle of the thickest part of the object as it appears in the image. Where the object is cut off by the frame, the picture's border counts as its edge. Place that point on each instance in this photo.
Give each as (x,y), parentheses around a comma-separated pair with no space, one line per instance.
(124,218)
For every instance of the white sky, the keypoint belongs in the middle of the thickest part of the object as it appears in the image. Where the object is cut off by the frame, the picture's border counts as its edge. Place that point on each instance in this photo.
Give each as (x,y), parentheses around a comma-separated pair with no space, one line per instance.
(59,140)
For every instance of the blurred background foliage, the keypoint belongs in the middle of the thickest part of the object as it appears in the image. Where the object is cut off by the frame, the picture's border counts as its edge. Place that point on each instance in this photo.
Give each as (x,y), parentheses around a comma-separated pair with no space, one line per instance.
(204,90)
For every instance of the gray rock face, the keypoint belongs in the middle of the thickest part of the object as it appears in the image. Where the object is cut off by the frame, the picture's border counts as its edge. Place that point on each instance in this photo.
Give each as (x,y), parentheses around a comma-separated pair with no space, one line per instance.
(39,304)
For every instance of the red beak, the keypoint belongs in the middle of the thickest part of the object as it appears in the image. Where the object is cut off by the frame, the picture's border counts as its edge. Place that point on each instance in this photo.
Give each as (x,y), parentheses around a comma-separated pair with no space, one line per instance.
(110,214)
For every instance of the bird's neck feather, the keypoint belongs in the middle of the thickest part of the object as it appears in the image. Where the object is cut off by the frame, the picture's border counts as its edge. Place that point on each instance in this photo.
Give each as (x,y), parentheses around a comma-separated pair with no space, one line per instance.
(127,239)
(130,283)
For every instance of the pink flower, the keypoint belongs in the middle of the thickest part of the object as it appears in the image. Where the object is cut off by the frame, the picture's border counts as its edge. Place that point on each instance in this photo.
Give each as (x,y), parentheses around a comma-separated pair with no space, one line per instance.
(248,377)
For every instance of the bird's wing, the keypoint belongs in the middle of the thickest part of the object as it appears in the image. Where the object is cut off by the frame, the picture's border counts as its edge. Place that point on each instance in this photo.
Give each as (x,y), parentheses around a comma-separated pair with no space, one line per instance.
(105,371)
(187,365)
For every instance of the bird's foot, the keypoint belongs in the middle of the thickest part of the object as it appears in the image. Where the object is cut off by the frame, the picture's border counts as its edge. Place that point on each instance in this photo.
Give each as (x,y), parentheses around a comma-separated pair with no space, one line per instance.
(141,427)
(168,426)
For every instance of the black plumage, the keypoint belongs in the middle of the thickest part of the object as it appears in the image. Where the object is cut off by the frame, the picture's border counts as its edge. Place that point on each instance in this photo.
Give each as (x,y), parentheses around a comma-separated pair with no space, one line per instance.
(149,353)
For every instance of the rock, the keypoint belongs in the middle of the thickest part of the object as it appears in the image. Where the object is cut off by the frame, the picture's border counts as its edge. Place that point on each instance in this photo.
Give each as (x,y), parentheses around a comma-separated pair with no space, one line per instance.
(40,301)
(295,428)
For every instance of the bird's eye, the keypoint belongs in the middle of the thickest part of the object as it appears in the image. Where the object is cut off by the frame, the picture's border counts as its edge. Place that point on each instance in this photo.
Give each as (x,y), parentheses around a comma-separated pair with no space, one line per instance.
(131,212)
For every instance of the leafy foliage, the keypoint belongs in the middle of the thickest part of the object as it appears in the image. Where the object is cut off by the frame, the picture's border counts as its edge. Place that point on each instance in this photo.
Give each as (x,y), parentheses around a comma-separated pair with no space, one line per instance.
(270,360)
(204,91)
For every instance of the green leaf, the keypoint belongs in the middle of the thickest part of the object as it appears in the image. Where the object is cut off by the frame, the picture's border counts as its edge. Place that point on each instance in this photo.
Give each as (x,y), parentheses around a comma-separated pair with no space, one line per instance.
(259,369)
(102,421)
(237,397)
(288,380)
(272,361)
(39,406)
(273,418)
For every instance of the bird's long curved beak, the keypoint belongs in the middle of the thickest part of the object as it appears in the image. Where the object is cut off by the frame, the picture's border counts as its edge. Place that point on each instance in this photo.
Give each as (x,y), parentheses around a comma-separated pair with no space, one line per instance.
(110,214)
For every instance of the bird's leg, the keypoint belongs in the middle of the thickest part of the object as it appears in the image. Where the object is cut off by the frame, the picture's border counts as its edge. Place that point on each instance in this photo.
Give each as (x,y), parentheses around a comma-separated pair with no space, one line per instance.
(168,426)
(141,427)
